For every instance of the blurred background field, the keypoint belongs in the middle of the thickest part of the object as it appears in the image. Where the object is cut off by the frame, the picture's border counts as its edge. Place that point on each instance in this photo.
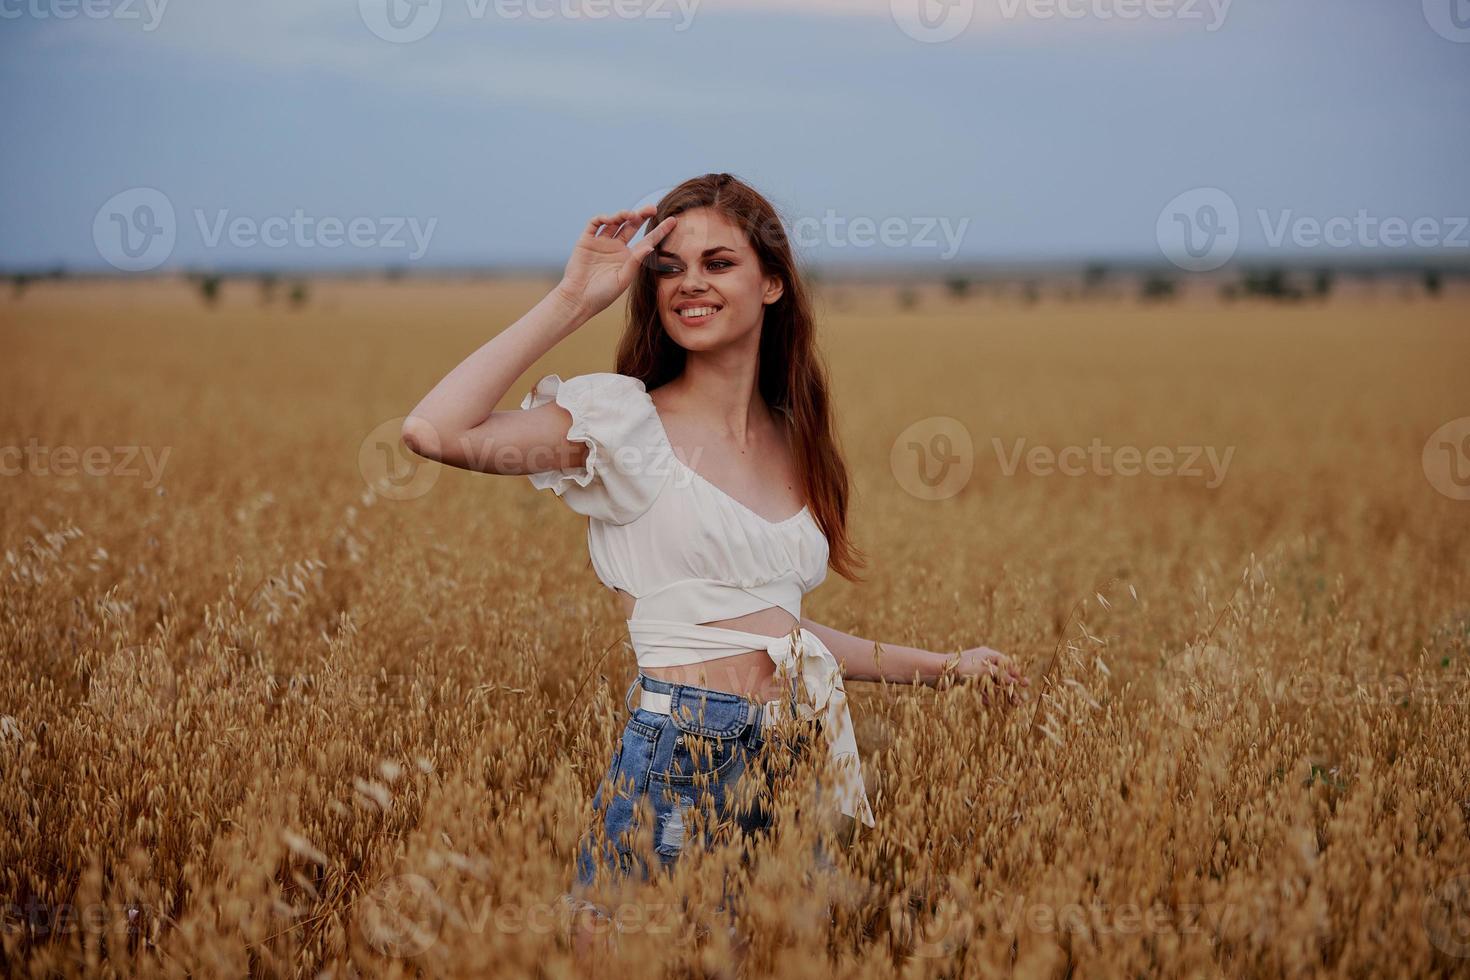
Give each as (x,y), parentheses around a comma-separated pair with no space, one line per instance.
(259,716)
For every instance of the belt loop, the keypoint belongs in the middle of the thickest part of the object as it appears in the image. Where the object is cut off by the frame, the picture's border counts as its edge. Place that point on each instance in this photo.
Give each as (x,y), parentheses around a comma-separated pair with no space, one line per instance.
(627,697)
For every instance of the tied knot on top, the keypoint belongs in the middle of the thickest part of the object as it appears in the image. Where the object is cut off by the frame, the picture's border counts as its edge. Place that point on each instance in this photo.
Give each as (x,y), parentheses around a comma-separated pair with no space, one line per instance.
(803,653)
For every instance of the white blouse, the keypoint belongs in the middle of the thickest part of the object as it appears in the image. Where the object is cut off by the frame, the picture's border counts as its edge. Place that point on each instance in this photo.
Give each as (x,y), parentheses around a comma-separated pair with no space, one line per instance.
(689,553)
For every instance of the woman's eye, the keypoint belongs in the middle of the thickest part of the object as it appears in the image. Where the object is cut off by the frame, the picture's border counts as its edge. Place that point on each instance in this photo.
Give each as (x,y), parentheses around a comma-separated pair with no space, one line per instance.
(666,269)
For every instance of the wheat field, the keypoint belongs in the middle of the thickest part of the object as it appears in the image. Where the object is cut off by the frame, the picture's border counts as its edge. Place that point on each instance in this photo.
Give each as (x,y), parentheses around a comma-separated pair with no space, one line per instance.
(277,703)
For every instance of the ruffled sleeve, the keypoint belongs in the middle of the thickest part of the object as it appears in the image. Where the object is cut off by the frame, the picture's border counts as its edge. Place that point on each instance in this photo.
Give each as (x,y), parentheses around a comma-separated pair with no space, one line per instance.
(627,457)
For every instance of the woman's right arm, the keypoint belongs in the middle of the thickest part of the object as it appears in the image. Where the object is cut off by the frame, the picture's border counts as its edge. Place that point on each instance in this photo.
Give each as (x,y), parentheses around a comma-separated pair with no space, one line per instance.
(456,422)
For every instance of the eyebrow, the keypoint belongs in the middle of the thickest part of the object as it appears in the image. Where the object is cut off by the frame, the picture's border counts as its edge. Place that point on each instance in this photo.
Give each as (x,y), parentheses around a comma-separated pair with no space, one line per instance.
(707,252)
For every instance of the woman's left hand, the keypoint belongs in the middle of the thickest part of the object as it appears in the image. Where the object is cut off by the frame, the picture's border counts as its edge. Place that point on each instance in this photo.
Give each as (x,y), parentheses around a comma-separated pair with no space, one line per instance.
(982,663)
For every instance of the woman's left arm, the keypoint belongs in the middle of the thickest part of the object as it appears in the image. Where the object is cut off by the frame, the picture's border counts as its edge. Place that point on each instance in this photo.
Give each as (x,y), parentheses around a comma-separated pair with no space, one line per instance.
(868,660)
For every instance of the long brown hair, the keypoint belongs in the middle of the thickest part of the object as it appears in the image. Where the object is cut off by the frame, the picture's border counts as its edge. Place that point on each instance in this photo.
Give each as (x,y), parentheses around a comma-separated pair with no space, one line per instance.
(791,374)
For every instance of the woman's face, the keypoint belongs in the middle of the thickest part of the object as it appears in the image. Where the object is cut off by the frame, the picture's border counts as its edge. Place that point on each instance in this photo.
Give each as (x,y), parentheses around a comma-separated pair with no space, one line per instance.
(711,290)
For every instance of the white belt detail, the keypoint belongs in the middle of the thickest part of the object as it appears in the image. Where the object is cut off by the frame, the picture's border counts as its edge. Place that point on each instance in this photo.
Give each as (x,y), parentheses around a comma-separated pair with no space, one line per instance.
(663,704)
(799,653)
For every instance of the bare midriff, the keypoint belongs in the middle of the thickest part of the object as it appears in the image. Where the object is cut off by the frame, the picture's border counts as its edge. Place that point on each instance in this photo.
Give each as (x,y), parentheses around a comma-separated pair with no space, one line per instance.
(752,674)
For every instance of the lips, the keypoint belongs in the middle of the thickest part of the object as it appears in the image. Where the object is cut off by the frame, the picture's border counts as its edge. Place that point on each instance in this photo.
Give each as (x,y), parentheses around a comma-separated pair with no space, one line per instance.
(693,313)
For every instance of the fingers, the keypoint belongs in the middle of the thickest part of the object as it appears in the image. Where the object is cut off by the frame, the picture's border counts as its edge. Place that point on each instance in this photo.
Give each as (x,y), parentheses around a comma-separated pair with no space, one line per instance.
(976,666)
(602,221)
(655,235)
(609,225)
(638,220)
(1013,671)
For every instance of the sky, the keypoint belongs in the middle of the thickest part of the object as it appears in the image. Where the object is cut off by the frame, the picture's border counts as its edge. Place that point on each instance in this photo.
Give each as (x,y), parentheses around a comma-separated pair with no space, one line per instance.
(149,135)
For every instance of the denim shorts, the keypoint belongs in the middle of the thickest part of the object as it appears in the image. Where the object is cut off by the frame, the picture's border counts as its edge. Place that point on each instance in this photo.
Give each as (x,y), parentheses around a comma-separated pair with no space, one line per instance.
(665,766)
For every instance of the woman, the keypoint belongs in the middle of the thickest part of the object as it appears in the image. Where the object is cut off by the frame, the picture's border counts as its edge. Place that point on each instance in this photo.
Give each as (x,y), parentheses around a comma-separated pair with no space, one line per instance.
(717,497)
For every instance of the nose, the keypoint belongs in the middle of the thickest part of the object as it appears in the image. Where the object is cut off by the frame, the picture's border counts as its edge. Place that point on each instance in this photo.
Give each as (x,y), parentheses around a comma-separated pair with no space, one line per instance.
(692,282)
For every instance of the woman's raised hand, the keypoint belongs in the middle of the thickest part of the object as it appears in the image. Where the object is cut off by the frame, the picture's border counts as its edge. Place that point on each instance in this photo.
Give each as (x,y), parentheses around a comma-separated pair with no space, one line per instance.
(603,265)
(991,668)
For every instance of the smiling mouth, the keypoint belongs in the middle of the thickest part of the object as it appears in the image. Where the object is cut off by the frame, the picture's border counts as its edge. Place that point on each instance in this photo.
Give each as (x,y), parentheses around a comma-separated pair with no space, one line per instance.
(697,312)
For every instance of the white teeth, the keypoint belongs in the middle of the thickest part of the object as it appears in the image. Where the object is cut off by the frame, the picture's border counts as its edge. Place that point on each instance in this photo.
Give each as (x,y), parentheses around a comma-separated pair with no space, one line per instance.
(695,311)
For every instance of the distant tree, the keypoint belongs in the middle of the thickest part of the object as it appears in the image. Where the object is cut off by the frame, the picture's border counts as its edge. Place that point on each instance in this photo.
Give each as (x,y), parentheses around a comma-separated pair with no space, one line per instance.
(19,282)
(1229,292)
(908,298)
(1269,283)
(1322,283)
(208,288)
(959,286)
(1157,287)
(1094,276)
(1433,283)
(394,272)
(1030,292)
(298,293)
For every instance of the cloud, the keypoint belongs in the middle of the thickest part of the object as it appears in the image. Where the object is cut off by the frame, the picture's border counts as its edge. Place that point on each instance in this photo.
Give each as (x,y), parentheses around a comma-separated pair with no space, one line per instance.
(473,52)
